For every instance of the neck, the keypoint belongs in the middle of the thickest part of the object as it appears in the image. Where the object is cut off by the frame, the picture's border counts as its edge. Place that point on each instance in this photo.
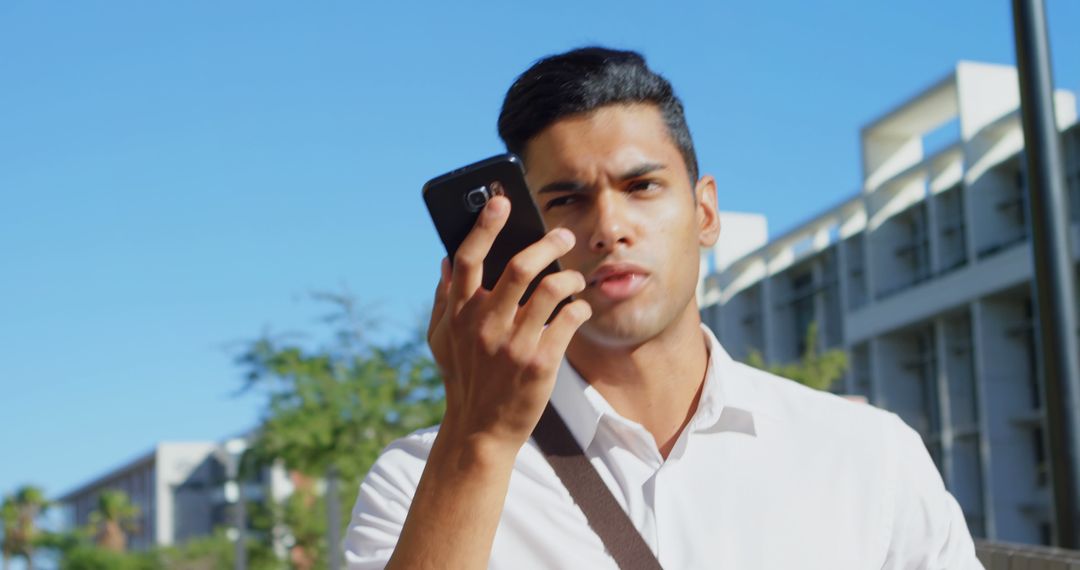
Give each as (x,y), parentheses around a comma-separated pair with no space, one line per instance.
(657,383)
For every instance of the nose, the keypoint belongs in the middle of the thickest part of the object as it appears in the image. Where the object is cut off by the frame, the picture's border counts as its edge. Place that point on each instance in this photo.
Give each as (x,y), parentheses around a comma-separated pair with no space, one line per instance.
(611,228)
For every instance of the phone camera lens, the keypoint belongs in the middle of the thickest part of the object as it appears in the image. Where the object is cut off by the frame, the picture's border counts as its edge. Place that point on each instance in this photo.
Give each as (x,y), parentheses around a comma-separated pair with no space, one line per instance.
(476,198)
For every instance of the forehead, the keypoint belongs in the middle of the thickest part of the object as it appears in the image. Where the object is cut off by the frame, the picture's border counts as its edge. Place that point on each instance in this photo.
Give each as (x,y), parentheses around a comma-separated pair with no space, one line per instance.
(607,141)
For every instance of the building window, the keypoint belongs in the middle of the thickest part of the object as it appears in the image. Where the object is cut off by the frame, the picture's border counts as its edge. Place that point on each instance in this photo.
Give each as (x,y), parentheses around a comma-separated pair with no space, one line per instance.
(915,253)
(902,251)
(1023,331)
(741,329)
(952,241)
(1002,208)
(794,295)
(860,371)
(908,379)
(1071,148)
(960,371)
(856,275)
(926,370)
(802,308)
(832,326)
(1044,533)
(1042,467)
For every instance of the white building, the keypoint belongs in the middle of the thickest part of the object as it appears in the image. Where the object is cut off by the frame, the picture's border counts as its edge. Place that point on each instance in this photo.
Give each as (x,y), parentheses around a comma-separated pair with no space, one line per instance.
(923,277)
(180,489)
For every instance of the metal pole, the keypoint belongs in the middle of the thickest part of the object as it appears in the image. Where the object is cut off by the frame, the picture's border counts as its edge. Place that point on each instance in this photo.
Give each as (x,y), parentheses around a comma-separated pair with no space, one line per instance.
(231,454)
(241,529)
(1054,267)
(333,515)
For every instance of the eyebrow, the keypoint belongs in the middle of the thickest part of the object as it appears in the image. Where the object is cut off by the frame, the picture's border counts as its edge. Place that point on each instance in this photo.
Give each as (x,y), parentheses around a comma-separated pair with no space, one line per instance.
(578,186)
(641,170)
(563,186)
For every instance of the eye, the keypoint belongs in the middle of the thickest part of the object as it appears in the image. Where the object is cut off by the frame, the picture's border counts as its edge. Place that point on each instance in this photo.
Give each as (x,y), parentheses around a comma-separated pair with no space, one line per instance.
(644,186)
(560,201)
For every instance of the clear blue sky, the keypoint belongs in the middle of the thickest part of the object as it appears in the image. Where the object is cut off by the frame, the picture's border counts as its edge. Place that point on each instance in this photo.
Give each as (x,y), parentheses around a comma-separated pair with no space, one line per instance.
(178,176)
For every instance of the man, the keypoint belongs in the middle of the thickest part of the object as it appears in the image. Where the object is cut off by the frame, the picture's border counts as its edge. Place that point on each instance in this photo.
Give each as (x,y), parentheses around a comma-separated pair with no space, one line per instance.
(717,465)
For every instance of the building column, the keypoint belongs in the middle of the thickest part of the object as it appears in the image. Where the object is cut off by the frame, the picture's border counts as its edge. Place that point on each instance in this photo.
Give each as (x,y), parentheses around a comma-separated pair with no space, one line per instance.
(842,290)
(932,234)
(877,390)
(867,250)
(820,314)
(941,383)
(769,350)
(969,217)
(978,362)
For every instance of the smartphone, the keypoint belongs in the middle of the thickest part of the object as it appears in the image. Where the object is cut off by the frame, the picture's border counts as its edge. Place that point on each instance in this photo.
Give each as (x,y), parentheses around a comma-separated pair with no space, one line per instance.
(456,199)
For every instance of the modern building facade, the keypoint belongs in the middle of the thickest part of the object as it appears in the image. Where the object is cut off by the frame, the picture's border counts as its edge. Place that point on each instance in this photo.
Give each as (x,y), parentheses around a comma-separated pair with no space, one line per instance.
(923,277)
(181,490)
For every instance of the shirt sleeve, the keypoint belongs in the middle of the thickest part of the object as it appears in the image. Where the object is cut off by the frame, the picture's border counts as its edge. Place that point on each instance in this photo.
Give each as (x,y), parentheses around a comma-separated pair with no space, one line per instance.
(928,529)
(383,503)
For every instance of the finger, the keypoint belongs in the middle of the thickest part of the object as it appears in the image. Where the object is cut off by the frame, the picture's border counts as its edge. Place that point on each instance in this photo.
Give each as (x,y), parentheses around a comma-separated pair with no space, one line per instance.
(525,266)
(551,291)
(556,337)
(468,270)
(442,292)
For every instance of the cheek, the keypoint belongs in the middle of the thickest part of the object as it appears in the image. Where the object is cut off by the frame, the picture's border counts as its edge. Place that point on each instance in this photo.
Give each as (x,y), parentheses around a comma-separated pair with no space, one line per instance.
(675,224)
(679,247)
(563,219)
(579,258)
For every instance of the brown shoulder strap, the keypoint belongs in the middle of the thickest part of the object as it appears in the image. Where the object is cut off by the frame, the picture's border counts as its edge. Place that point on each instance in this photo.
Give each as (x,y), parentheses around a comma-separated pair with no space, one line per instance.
(588,490)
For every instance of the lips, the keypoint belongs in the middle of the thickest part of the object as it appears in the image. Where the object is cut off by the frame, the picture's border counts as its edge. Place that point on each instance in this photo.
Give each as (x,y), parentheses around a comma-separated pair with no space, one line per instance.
(618,281)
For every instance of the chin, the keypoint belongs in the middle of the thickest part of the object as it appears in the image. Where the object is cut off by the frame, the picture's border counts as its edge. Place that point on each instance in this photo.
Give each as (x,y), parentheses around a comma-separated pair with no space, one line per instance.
(634,322)
(624,329)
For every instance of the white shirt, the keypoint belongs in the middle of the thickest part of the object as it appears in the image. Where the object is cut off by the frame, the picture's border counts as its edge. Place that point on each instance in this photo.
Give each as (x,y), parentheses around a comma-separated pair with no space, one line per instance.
(768,474)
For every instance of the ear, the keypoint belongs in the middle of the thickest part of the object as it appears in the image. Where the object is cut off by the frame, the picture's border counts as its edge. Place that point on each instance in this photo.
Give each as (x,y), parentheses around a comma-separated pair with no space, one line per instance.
(708,213)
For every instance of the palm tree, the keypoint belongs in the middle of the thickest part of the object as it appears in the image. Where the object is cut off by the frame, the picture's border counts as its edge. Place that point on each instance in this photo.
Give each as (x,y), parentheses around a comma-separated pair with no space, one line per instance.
(114,519)
(19,514)
(9,518)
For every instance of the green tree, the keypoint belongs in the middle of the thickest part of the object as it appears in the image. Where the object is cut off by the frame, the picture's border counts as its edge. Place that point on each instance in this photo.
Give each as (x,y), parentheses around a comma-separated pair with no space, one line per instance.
(215,552)
(62,543)
(335,407)
(818,370)
(9,518)
(115,517)
(91,557)
(19,513)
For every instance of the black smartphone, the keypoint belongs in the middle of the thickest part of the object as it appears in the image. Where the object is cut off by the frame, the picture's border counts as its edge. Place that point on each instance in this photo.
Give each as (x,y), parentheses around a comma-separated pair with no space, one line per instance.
(456,199)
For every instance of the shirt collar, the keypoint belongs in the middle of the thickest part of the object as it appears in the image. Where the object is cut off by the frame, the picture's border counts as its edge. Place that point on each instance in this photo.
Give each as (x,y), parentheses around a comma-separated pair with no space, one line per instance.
(582,407)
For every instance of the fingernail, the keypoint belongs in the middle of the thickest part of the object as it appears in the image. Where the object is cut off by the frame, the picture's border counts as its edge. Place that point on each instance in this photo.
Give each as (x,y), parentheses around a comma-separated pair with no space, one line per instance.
(564,235)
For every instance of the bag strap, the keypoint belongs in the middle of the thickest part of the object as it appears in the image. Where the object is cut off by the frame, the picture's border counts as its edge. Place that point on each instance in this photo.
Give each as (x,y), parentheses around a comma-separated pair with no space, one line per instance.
(605,516)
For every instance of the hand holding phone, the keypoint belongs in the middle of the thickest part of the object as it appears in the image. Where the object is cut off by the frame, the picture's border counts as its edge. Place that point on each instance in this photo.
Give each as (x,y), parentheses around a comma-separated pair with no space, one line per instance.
(490,331)
(456,199)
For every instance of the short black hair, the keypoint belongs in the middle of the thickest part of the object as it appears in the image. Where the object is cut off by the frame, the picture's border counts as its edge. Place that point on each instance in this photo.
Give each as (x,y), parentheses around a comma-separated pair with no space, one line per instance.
(581,81)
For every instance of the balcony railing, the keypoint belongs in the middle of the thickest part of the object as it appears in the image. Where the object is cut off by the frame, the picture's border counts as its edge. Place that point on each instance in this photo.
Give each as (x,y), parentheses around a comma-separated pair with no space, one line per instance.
(1005,556)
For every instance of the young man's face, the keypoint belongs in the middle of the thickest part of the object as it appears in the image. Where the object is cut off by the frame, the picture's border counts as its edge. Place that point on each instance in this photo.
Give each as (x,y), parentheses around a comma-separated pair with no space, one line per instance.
(615,178)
